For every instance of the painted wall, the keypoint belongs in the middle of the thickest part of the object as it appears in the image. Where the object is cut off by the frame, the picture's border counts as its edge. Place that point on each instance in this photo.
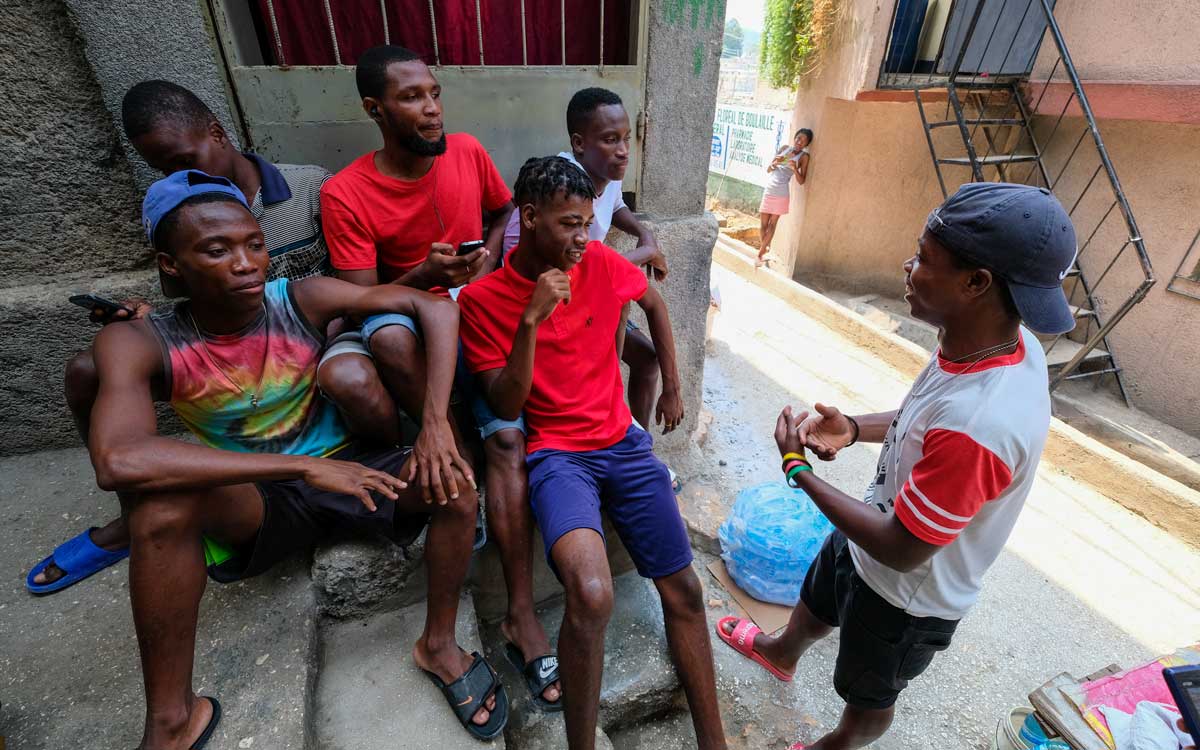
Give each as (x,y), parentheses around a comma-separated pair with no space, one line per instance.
(849,65)
(1156,342)
(1118,40)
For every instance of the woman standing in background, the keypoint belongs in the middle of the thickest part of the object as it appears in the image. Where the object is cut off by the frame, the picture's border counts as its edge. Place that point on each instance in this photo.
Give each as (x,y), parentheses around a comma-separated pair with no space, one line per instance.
(791,161)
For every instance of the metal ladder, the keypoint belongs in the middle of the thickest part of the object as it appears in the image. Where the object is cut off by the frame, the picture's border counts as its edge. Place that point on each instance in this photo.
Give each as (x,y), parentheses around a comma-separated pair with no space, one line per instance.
(997,110)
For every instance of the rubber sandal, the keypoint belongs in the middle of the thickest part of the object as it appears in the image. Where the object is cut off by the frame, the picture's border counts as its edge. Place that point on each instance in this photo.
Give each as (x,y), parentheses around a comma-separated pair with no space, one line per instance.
(80,557)
(470,692)
(540,673)
(742,641)
(211,727)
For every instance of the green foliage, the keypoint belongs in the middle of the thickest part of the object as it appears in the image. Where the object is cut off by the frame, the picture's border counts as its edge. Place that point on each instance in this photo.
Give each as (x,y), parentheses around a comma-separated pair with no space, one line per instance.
(794,34)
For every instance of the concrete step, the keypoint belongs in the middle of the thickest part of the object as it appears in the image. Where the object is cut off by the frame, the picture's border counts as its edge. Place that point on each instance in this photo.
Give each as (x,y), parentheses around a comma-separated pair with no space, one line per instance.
(361,577)
(639,680)
(70,660)
(1065,349)
(371,695)
(39,331)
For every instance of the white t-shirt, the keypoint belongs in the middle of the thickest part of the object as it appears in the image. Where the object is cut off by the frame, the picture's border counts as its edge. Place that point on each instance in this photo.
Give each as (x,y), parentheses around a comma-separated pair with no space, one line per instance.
(956,466)
(605,205)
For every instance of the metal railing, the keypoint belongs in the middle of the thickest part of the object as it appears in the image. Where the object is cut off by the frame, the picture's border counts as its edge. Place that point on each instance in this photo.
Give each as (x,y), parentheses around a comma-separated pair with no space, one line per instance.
(989,94)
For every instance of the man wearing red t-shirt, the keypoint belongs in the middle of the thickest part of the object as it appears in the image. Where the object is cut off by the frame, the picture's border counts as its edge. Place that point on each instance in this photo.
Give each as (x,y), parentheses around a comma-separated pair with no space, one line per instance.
(398,215)
(558,363)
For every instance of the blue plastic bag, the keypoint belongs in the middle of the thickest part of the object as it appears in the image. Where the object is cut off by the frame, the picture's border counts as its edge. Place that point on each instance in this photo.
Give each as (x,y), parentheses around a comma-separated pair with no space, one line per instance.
(770,538)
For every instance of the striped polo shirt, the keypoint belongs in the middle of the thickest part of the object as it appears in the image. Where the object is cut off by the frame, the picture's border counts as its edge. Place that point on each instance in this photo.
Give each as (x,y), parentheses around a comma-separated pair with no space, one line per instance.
(288,208)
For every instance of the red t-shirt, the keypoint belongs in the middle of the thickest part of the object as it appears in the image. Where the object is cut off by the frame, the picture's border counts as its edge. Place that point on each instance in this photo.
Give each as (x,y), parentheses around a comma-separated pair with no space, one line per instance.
(576,402)
(374,221)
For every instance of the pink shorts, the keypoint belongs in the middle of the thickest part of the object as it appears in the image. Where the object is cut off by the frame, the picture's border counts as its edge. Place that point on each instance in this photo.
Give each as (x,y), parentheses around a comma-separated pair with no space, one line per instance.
(774,205)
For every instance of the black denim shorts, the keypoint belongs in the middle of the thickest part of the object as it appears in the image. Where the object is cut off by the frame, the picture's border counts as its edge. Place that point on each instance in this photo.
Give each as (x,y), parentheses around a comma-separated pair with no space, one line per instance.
(297,516)
(882,646)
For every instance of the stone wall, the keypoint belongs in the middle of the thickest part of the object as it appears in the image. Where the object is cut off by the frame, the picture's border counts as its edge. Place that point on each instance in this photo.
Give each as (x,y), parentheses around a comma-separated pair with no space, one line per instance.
(135,40)
(69,216)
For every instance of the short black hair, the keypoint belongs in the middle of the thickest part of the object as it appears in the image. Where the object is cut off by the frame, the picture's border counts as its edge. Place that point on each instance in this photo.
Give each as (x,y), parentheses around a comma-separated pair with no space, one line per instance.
(370,73)
(804,131)
(152,103)
(584,103)
(170,222)
(544,177)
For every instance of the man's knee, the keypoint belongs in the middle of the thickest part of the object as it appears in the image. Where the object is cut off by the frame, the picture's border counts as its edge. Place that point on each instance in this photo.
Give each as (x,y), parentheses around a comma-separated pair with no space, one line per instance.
(396,348)
(349,379)
(155,518)
(465,507)
(589,598)
(81,381)
(506,449)
(682,593)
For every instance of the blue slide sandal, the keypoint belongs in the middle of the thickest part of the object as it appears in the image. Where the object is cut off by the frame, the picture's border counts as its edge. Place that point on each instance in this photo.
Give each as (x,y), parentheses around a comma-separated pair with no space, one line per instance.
(79,557)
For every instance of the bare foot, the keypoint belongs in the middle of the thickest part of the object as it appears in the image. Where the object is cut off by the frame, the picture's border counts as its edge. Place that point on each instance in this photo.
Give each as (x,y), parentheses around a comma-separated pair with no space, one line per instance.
(449,663)
(111,538)
(765,646)
(531,639)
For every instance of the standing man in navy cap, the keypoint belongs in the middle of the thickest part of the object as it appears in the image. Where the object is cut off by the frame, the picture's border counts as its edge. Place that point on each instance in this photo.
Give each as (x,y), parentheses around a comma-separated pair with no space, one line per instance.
(958,460)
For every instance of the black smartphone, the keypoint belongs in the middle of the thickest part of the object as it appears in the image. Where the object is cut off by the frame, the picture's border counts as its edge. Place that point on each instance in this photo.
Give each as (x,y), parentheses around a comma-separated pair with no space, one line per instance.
(92,302)
(469,247)
(1184,683)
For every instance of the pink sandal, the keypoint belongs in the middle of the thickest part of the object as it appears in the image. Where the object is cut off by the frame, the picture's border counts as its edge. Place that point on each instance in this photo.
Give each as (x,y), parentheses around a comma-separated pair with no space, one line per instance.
(742,641)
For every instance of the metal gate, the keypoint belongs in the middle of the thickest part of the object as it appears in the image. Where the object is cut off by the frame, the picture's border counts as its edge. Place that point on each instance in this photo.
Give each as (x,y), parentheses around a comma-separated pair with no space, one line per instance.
(312,114)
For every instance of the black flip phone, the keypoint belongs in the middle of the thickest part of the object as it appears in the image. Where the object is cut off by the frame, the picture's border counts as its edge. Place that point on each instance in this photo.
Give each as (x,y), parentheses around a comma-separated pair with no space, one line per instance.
(92,302)
(1184,683)
(469,247)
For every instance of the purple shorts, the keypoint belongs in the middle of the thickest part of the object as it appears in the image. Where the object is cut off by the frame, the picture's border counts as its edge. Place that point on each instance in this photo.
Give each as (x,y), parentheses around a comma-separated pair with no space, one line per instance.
(568,490)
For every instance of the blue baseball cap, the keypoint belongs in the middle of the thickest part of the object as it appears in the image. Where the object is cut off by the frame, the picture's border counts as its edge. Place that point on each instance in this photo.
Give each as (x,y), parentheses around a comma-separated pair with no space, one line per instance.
(166,194)
(1020,233)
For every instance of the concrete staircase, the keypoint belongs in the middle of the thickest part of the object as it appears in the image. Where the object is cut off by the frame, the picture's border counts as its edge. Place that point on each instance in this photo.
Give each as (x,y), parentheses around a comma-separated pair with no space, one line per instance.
(368,694)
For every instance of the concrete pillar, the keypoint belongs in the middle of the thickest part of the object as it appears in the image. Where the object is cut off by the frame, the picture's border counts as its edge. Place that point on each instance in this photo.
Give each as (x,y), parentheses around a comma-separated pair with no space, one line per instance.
(681,84)
(136,40)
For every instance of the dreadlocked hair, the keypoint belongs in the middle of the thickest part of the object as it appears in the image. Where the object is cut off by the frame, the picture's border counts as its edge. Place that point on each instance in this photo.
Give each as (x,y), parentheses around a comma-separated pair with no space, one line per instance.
(544,178)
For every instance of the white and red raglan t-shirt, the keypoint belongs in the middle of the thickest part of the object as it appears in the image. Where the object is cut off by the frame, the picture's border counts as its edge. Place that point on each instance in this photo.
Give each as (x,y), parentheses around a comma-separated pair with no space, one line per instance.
(956,466)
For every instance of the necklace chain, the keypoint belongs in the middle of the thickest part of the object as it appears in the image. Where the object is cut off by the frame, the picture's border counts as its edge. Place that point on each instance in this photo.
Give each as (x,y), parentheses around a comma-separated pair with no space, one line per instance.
(984,352)
(980,356)
(254,397)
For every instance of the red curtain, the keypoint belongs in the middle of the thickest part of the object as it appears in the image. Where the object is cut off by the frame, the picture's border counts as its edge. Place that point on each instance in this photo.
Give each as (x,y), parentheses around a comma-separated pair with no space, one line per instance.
(298,31)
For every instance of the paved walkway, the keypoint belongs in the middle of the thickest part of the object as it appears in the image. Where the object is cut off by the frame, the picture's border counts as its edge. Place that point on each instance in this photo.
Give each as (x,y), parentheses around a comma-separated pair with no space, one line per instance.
(1082,583)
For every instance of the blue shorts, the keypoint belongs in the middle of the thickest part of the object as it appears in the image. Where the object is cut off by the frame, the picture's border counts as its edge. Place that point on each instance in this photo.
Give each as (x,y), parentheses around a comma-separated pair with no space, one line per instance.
(485,418)
(568,489)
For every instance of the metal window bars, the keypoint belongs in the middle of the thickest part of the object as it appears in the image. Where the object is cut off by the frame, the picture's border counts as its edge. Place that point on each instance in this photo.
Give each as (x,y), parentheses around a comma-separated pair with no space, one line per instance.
(273,21)
(985,59)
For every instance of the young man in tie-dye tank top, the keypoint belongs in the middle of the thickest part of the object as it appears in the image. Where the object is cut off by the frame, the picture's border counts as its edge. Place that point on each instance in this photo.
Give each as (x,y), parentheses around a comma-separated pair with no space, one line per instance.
(276,470)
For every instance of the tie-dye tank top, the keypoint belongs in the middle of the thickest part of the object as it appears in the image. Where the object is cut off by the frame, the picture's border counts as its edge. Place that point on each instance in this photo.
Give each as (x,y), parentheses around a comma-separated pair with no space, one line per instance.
(212,384)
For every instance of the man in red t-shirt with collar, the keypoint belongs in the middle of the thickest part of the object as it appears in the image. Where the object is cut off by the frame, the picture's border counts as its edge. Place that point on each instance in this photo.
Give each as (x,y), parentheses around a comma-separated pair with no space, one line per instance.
(398,215)
(541,335)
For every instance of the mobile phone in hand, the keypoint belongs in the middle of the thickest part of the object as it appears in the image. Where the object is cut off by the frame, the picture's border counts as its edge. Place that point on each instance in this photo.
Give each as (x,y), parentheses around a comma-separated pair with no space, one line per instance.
(1184,683)
(92,302)
(469,247)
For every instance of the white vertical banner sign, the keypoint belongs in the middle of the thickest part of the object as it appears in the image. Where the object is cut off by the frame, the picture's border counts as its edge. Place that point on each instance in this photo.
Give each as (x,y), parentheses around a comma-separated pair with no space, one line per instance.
(745,140)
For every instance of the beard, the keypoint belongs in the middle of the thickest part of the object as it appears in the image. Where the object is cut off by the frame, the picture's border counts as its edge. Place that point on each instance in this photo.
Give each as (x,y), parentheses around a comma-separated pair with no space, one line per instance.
(415,143)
